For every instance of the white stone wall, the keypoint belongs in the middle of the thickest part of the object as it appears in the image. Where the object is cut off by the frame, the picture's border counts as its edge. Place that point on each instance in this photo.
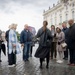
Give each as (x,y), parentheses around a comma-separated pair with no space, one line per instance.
(60,13)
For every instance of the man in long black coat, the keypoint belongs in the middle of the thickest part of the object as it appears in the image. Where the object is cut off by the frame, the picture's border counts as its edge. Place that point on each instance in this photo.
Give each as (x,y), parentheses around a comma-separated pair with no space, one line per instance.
(43,50)
(2,46)
(71,42)
(65,30)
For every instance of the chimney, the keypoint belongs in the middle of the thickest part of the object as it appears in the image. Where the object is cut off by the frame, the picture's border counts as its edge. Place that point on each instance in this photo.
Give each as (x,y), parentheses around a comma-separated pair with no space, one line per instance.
(53,5)
(49,8)
(44,11)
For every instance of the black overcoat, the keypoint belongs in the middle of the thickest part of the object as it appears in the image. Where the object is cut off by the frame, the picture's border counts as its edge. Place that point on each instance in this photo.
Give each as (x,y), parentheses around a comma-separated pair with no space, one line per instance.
(44,43)
(71,37)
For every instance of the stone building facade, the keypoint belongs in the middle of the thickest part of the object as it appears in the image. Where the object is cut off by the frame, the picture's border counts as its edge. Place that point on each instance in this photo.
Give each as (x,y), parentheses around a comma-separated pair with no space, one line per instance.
(62,12)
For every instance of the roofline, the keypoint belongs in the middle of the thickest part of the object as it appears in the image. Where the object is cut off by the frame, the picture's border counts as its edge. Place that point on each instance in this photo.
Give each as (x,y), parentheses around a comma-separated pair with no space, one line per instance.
(52,9)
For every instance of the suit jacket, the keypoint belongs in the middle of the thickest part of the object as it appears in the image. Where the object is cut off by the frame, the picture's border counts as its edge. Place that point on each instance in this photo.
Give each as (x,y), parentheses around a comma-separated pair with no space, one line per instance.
(71,37)
(26,36)
(65,30)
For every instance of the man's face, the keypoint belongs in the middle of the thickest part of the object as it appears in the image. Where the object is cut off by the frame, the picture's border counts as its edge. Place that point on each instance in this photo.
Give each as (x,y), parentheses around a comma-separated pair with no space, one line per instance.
(70,22)
(15,27)
(64,25)
(52,28)
(26,27)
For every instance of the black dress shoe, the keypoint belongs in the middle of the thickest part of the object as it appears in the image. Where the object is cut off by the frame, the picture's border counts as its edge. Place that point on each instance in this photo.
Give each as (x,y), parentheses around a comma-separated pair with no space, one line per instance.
(47,66)
(27,59)
(65,58)
(0,60)
(40,67)
(51,57)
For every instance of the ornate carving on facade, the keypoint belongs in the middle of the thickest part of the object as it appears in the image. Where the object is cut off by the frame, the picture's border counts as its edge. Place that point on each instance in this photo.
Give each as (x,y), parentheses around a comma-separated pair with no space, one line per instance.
(64,1)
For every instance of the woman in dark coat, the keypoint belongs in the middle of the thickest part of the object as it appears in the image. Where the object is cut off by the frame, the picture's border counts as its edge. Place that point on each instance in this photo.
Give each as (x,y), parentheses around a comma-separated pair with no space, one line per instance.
(43,50)
(2,46)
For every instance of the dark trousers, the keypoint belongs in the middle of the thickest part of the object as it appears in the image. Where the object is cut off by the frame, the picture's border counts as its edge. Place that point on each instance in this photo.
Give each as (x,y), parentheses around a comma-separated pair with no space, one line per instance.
(66,53)
(26,51)
(31,50)
(12,58)
(72,56)
(53,50)
(0,54)
(47,60)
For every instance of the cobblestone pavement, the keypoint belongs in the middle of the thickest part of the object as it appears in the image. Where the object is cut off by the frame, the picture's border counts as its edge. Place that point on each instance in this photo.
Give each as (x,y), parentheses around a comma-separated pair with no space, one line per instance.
(32,67)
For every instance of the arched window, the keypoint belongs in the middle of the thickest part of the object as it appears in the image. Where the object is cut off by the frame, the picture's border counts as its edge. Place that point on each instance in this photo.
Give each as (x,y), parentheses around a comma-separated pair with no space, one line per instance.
(60,19)
(73,4)
(51,21)
(66,17)
(73,15)
(55,18)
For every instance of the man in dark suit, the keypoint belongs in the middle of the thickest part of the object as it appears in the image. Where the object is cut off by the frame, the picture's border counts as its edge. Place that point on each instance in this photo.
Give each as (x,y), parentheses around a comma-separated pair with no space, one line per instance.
(71,42)
(65,30)
(0,44)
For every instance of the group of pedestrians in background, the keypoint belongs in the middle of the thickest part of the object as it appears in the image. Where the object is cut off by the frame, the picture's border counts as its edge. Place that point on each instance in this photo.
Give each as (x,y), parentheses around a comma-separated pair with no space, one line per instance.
(59,35)
(57,42)
(67,35)
(51,43)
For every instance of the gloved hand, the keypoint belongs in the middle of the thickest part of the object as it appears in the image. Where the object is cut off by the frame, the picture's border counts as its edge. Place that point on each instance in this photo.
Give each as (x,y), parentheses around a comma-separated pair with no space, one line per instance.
(59,43)
(54,35)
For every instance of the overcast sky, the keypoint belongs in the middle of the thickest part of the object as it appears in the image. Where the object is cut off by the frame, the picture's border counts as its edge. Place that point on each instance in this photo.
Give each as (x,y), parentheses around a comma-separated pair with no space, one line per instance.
(23,12)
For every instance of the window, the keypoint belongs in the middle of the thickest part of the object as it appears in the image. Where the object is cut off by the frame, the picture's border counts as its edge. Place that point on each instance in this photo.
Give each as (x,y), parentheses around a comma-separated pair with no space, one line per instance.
(73,15)
(51,21)
(55,20)
(66,7)
(73,4)
(60,19)
(66,17)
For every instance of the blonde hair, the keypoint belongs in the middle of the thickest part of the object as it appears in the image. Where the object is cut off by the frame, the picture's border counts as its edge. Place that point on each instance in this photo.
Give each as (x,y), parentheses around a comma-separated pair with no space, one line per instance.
(12,26)
(9,27)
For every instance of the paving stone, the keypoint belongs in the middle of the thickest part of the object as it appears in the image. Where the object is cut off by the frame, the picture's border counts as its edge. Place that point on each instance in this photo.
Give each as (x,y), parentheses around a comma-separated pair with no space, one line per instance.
(32,67)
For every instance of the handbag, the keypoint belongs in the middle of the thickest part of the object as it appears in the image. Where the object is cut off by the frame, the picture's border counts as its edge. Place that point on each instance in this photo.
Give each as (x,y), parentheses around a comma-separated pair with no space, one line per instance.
(64,45)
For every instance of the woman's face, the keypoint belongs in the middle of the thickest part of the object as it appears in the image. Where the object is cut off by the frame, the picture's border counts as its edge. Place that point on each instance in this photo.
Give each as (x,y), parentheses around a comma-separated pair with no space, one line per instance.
(58,30)
(45,24)
(52,28)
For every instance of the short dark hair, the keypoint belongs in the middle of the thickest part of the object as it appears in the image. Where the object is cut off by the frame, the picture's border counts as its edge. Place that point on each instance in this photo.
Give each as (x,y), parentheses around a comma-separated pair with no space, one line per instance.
(52,26)
(58,28)
(46,22)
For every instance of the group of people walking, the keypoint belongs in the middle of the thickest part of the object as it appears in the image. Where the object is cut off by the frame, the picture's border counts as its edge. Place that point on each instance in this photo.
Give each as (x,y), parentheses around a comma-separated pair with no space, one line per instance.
(55,43)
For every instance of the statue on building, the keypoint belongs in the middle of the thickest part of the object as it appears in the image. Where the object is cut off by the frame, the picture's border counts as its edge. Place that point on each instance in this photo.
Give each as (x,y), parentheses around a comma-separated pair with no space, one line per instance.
(63,1)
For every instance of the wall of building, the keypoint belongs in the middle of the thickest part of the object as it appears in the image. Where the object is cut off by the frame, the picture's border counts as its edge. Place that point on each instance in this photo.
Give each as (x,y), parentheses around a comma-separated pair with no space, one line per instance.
(62,12)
